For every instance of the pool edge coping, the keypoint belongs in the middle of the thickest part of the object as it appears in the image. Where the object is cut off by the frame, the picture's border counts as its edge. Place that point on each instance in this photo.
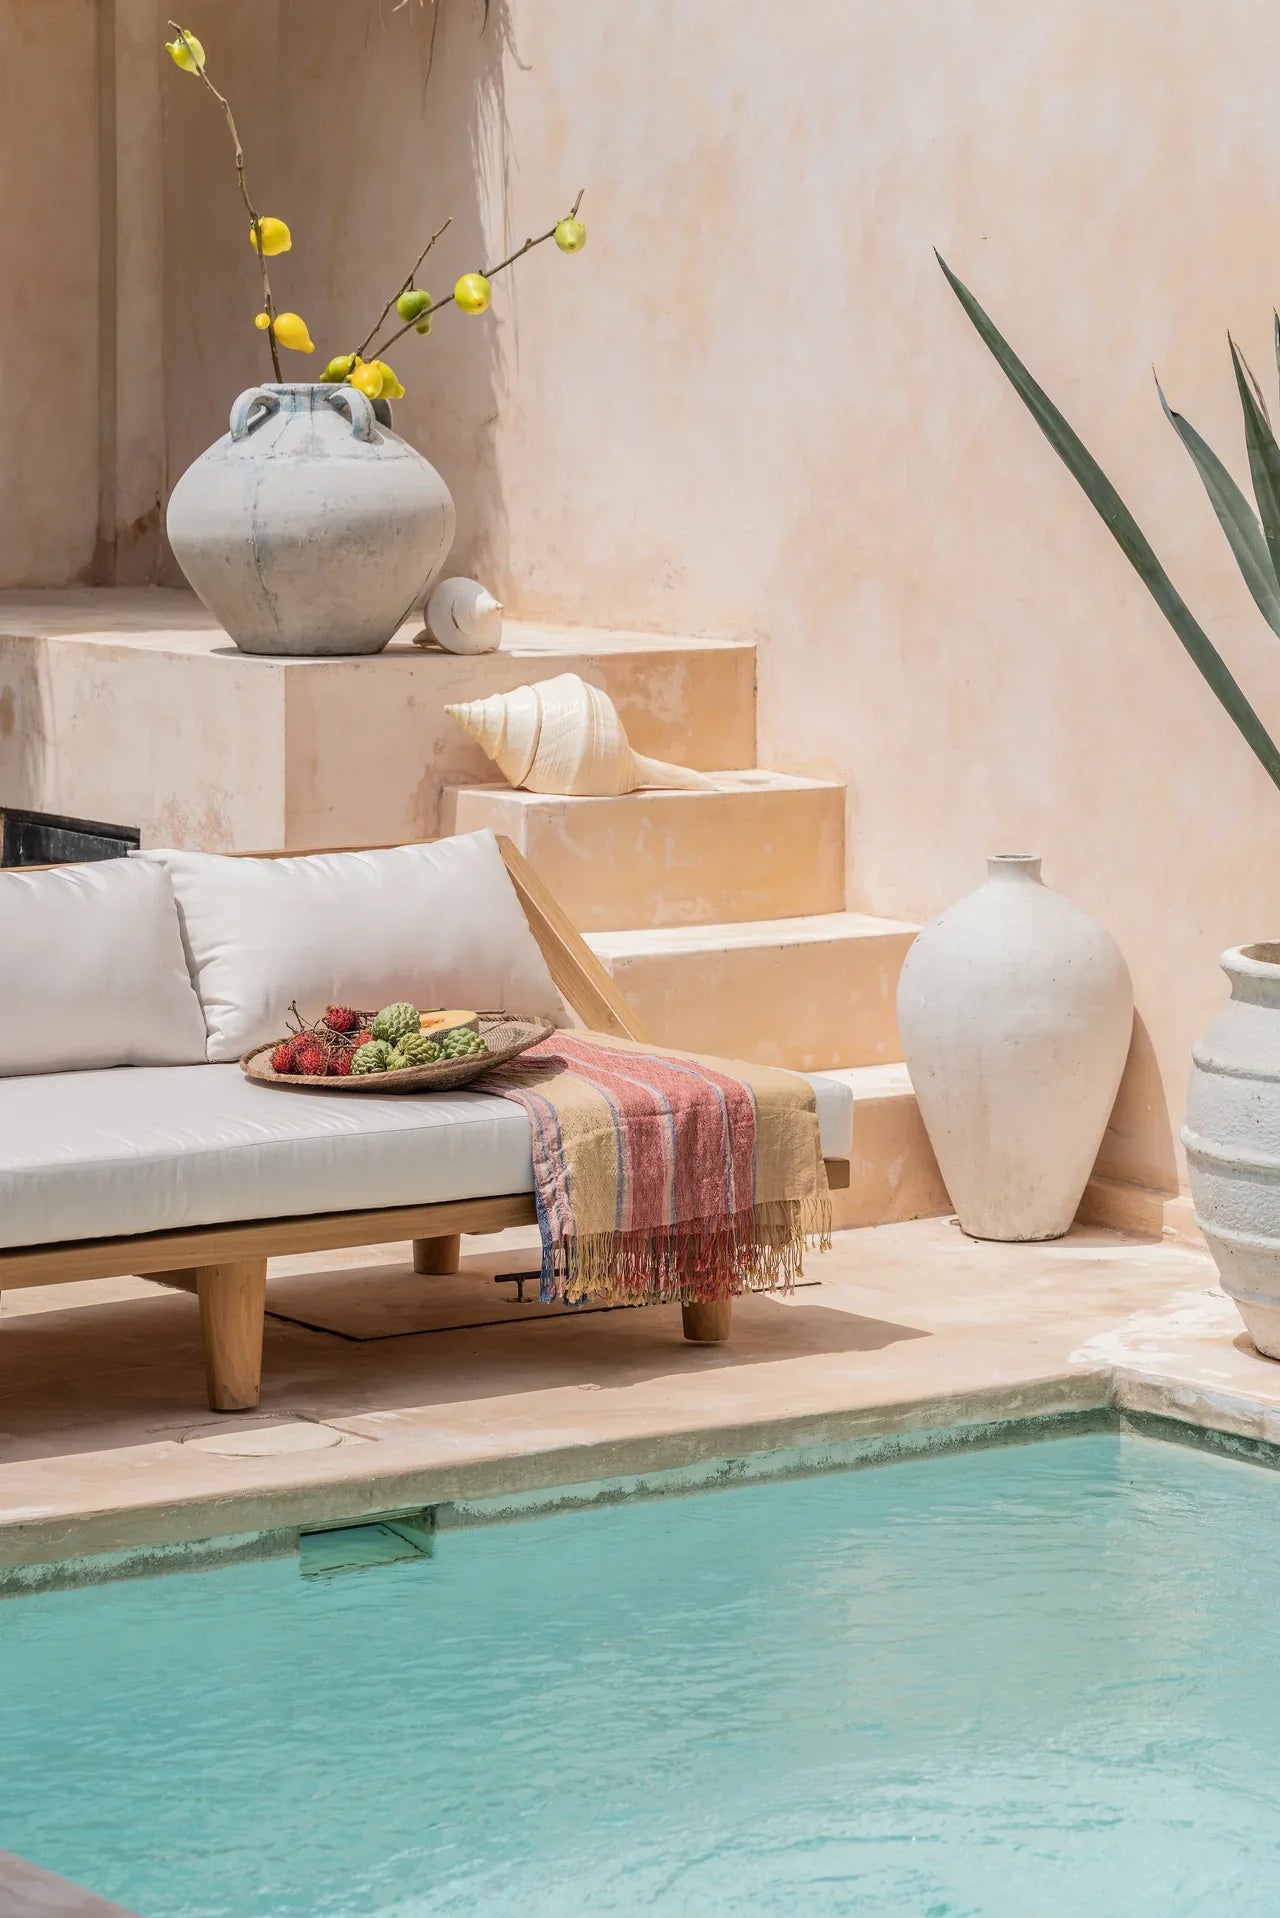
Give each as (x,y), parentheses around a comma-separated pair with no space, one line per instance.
(204,1532)
(206,1519)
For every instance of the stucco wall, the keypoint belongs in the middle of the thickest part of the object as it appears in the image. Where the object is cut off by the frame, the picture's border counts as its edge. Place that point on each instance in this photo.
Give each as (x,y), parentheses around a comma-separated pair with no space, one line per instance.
(752,406)
(49,186)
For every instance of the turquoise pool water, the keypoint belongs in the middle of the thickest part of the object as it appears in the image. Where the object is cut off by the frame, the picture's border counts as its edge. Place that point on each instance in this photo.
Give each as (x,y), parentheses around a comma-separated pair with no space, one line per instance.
(1033,1682)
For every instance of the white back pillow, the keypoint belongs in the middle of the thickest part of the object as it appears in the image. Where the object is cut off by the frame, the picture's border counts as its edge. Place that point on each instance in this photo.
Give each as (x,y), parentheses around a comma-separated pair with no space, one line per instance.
(439,925)
(92,971)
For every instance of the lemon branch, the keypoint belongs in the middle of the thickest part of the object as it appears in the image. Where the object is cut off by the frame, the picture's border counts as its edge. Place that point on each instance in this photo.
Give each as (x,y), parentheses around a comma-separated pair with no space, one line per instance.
(403,288)
(197,67)
(490,273)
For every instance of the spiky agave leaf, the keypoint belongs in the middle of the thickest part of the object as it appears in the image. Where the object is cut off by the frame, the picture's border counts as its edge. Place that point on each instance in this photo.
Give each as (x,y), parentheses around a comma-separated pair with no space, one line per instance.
(1124,529)
(1252,378)
(1235,516)
(1264,457)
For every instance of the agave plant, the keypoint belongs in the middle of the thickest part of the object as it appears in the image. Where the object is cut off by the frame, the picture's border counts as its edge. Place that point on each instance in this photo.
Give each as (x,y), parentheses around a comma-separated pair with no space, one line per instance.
(1254,536)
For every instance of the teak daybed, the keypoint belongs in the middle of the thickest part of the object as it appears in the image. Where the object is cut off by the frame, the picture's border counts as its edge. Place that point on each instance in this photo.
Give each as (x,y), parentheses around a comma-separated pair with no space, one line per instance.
(58,1183)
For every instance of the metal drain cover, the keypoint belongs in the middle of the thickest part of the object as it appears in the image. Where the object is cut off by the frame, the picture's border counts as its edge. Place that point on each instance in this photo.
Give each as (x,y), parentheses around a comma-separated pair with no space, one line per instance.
(360,1547)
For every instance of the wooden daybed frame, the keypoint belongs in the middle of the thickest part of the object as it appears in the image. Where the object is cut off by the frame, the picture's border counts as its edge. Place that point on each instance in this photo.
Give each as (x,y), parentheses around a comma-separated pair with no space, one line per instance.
(226,1265)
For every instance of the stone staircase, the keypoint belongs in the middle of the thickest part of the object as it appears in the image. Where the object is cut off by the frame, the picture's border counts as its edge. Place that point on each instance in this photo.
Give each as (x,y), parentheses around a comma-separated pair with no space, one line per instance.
(721,914)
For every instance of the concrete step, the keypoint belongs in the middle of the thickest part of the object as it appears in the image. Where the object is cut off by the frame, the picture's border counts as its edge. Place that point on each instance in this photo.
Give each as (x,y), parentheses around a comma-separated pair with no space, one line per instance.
(681,698)
(306,752)
(893,1173)
(809,993)
(761,845)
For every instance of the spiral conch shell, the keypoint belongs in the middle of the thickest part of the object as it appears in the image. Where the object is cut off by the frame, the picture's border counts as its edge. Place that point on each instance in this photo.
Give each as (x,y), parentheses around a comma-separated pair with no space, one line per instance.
(464,617)
(563,736)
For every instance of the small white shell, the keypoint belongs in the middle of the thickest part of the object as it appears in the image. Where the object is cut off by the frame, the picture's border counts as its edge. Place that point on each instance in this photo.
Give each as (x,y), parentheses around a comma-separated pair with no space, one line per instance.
(464,617)
(564,736)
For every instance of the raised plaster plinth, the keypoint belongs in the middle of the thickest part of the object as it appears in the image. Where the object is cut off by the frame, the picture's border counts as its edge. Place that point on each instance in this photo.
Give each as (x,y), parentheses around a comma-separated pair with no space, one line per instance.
(132,708)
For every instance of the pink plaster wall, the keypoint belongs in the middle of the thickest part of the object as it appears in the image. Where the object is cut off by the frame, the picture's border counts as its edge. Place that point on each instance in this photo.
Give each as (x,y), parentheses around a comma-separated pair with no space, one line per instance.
(49,186)
(752,406)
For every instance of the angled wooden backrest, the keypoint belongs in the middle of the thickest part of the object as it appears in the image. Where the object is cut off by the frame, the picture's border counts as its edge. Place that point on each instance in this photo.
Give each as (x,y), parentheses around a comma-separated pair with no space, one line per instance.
(580,978)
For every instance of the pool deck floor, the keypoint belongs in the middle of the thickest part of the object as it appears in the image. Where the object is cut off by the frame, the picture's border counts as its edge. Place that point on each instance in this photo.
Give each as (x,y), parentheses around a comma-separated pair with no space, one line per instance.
(384,1391)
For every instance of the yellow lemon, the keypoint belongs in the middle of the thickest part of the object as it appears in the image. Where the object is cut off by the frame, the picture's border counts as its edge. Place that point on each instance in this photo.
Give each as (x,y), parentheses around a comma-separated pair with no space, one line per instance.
(262,321)
(276,237)
(472,293)
(571,236)
(291,331)
(338,368)
(391,388)
(413,304)
(187,53)
(366,377)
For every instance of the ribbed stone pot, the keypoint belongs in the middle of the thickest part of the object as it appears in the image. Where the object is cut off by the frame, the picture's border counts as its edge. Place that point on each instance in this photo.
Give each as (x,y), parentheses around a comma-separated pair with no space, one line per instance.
(1232,1137)
(310,527)
(1015,1011)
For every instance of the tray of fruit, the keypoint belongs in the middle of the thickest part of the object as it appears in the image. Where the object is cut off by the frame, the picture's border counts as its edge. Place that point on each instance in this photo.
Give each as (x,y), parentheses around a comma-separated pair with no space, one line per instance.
(398,1049)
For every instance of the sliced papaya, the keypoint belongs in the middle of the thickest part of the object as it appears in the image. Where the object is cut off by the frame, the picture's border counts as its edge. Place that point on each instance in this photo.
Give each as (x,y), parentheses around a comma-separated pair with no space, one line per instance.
(438,1025)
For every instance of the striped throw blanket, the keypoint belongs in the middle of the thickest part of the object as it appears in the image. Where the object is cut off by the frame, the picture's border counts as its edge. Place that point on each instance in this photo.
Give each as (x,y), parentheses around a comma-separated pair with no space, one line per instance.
(663,1176)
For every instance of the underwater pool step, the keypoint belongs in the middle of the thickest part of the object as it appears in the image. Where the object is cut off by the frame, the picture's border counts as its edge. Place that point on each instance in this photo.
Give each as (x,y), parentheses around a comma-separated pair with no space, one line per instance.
(27,1891)
(810,993)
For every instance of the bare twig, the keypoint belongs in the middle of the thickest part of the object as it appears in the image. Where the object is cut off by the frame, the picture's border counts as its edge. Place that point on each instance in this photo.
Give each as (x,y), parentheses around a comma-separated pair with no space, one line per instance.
(197,67)
(489,272)
(403,288)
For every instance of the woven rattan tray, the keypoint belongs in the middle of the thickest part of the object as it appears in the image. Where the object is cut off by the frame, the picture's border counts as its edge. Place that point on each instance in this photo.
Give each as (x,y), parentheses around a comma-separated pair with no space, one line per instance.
(505,1036)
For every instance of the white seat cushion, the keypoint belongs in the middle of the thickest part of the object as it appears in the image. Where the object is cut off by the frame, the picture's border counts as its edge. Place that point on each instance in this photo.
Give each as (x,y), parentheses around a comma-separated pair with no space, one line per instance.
(109,1154)
(438,924)
(835,1113)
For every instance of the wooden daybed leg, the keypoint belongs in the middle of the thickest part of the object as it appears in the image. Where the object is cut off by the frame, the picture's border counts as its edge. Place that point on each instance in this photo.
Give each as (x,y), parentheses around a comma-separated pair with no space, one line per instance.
(233,1303)
(438,1256)
(708,1324)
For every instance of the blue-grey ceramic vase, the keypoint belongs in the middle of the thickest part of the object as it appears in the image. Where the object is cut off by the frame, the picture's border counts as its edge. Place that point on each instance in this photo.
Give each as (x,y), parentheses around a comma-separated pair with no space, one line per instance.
(310,527)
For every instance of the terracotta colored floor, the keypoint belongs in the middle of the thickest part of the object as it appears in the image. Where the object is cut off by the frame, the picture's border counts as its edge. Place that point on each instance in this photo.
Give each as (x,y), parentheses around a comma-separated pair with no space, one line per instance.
(384,1391)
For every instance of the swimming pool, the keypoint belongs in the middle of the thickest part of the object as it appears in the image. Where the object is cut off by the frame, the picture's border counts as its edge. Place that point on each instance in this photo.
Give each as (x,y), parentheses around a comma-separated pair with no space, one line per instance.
(1028,1682)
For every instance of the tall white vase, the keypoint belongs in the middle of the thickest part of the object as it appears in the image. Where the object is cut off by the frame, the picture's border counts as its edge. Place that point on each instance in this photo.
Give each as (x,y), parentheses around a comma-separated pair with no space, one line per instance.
(310,527)
(1232,1136)
(1015,1010)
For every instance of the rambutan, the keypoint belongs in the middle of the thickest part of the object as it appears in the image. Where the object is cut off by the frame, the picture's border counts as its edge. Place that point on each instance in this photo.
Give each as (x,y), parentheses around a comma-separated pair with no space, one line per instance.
(312,1058)
(341,1019)
(285,1057)
(340,1064)
(363,1037)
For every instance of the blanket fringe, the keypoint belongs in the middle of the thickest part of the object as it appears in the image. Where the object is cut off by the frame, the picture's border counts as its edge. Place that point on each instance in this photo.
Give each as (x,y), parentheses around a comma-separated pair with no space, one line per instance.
(758,1249)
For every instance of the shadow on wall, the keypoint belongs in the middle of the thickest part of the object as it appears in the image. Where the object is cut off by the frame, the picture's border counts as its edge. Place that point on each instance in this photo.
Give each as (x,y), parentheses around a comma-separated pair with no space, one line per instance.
(334,103)
(24,703)
(1138,1145)
(452,408)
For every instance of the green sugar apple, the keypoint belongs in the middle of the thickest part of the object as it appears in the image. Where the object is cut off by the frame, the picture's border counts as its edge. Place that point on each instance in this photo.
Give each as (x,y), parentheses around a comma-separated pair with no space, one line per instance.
(371,1057)
(395,1023)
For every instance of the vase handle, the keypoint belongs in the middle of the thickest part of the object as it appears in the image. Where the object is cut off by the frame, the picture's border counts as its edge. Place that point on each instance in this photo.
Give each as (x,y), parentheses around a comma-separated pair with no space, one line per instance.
(357,407)
(245,414)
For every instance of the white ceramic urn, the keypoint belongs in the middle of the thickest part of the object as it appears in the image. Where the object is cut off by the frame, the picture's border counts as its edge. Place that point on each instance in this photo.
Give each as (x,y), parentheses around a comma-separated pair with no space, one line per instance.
(310,527)
(1232,1137)
(1015,1010)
